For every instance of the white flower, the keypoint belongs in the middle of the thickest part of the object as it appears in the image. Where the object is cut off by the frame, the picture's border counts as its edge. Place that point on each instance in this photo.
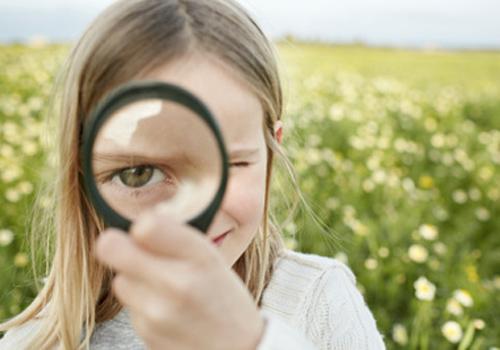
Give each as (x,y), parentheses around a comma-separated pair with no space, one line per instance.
(290,243)
(452,331)
(10,174)
(440,248)
(474,194)
(482,214)
(341,256)
(479,324)
(332,203)
(371,264)
(408,184)
(424,289)
(30,148)
(368,185)
(463,297)
(25,187)
(459,196)
(383,252)
(399,334)
(454,307)
(437,140)
(6,237)
(428,232)
(12,195)
(418,253)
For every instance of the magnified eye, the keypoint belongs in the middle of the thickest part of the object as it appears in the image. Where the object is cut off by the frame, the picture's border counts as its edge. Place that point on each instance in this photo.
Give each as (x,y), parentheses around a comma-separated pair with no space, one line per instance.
(138,176)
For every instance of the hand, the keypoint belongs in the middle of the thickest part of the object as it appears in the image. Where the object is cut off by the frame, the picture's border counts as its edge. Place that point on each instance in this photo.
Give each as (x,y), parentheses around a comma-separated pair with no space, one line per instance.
(177,287)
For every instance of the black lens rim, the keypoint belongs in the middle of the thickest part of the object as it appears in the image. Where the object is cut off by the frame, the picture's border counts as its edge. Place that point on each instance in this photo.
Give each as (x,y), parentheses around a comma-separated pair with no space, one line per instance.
(131,92)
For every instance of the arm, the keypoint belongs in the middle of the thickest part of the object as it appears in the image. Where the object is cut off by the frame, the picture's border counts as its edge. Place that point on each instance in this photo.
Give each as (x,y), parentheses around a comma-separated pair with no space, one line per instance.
(279,335)
(340,317)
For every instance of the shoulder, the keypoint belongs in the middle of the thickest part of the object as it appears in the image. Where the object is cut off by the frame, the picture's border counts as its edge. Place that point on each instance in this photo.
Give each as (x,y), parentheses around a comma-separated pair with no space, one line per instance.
(298,275)
(318,295)
(15,338)
(313,264)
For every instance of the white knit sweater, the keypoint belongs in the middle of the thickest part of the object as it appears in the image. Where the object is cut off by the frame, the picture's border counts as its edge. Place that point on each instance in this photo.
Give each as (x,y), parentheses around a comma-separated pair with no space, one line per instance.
(311,303)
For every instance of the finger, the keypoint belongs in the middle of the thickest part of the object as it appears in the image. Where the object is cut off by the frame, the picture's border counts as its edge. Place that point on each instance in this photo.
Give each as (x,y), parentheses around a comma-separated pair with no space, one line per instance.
(118,251)
(165,235)
(153,312)
(141,297)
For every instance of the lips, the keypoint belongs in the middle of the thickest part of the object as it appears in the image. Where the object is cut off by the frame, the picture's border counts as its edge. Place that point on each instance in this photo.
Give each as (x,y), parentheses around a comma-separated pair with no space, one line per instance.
(217,238)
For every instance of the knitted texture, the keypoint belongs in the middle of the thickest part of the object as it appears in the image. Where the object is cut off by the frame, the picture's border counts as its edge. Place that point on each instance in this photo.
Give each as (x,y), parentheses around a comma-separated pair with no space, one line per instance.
(312,303)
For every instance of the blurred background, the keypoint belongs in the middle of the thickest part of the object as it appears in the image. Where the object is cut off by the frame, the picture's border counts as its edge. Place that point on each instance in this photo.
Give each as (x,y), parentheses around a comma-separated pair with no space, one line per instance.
(392,122)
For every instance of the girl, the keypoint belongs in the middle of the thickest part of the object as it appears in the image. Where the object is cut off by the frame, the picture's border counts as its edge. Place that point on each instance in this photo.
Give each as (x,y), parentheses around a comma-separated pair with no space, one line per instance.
(166,286)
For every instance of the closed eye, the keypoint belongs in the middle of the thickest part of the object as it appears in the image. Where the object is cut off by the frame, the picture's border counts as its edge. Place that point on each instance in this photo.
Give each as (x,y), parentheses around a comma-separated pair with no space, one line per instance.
(240,164)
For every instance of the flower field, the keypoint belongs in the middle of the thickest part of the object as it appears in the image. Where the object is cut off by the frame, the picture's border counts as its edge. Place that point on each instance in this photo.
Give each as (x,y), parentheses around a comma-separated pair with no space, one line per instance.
(397,152)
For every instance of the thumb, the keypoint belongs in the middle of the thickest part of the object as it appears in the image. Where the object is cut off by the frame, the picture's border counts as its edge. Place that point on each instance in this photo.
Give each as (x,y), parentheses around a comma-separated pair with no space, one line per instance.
(163,234)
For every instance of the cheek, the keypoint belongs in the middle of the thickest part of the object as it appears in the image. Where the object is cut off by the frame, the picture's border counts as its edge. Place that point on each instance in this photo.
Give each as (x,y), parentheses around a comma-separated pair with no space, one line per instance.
(246,191)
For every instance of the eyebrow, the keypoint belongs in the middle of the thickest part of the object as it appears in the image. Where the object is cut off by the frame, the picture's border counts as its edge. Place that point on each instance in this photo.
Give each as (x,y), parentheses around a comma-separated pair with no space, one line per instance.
(244,152)
(137,158)
(121,158)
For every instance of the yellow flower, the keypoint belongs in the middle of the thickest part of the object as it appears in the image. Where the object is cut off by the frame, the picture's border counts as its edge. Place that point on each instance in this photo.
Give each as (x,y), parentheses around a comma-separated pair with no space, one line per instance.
(21,260)
(452,331)
(463,297)
(418,253)
(424,289)
(471,272)
(425,182)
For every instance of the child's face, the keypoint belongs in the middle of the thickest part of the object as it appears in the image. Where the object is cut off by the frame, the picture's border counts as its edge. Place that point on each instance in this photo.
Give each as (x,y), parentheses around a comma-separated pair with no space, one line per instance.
(240,117)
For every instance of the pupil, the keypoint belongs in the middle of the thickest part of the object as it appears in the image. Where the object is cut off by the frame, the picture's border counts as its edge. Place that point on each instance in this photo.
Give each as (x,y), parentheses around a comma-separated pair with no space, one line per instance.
(137,176)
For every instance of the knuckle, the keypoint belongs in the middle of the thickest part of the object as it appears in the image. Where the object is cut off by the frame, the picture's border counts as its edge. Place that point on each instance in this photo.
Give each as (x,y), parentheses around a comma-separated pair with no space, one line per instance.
(186,289)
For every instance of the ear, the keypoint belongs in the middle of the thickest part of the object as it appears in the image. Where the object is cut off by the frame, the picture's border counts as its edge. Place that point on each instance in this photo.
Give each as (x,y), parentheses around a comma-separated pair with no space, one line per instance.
(278,130)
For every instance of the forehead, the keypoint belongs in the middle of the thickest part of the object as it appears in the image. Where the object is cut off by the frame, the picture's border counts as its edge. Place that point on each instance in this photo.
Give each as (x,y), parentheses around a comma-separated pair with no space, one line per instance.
(236,108)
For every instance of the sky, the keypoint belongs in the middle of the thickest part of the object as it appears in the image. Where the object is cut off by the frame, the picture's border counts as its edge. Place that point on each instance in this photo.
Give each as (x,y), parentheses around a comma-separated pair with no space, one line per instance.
(403,23)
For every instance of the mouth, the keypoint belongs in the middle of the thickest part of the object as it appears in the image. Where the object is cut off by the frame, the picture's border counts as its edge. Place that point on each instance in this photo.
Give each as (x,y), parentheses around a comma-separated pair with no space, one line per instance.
(218,239)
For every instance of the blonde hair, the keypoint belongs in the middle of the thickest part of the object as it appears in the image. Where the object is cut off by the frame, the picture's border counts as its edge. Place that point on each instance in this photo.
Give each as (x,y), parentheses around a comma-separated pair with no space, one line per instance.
(126,40)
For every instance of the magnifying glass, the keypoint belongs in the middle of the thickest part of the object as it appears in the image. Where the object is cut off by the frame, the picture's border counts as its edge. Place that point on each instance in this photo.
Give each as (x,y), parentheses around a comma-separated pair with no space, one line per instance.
(153,144)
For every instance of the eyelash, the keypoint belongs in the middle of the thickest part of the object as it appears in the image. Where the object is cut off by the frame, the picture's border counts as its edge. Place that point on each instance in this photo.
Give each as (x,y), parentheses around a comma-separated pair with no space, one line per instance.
(242,164)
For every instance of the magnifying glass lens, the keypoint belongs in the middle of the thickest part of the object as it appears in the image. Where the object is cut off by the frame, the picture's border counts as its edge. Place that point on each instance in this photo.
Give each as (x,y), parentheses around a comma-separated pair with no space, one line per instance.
(156,152)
